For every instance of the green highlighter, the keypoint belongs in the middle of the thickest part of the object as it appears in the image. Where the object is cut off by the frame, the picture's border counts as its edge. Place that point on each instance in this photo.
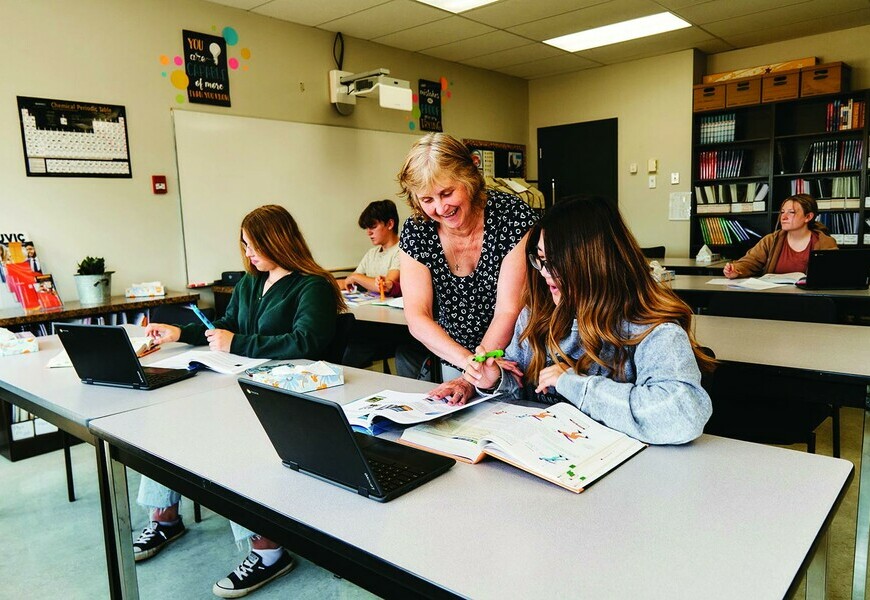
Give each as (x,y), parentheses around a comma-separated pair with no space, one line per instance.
(490,354)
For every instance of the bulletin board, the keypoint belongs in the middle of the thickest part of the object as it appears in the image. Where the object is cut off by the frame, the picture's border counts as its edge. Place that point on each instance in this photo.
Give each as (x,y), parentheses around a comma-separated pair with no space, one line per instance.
(324,175)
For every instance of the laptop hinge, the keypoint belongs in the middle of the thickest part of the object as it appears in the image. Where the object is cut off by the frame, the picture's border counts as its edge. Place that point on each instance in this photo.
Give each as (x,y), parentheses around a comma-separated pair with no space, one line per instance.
(362,491)
(291,464)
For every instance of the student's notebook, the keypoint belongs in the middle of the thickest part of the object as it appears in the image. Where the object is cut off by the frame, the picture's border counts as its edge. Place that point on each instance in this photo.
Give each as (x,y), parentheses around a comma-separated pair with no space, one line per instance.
(557,443)
(368,414)
(221,362)
(104,355)
(312,436)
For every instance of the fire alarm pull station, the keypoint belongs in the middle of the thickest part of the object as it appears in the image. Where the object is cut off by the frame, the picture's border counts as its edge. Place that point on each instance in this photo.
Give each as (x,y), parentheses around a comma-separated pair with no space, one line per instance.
(158,184)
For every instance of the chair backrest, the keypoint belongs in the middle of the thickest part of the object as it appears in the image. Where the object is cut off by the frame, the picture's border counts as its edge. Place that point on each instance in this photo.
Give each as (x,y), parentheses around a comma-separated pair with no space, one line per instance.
(803,309)
(654,252)
(343,326)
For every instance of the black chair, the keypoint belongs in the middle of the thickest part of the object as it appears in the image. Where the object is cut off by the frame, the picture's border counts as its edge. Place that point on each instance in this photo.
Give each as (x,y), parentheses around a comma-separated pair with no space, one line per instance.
(766,404)
(654,252)
(343,326)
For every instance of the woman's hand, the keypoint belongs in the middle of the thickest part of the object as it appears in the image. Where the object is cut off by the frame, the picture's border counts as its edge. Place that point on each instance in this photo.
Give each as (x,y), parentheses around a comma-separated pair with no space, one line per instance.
(730,272)
(161,333)
(456,391)
(548,377)
(219,340)
(484,374)
(350,283)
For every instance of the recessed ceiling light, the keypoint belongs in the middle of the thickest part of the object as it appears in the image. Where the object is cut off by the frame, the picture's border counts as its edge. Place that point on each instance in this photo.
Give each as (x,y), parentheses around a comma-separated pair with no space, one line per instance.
(456,6)
(618,32)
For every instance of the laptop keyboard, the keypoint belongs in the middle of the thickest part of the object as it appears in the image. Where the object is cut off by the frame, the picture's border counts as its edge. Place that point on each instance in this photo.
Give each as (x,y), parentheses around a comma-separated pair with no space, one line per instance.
(392,476)
(156,378)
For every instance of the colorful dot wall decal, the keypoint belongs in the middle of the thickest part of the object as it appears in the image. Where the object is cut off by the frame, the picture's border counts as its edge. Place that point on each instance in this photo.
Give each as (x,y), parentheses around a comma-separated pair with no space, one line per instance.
(246,53)
(231,36)
(164,60)
(179,79)
(443,83)
(412,126)
(179,61)
(179,98)
(233,63)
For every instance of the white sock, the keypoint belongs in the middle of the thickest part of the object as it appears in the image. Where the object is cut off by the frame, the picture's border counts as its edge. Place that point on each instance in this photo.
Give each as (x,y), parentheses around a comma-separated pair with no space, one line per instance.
(270,557)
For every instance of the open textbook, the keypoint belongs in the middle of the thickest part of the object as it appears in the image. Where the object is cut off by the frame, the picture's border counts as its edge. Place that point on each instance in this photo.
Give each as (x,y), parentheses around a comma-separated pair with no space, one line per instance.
(222,362)
(368,414)
(142,345)
(557,443)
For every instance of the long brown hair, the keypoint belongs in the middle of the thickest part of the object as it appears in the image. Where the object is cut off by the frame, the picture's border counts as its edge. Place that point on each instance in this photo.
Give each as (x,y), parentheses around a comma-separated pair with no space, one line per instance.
(437,157)
(275,235)
(604,281)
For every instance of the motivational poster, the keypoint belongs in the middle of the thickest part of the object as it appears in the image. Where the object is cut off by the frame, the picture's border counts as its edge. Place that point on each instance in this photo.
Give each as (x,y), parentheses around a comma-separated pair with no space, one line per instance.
(205,62)
(430,105)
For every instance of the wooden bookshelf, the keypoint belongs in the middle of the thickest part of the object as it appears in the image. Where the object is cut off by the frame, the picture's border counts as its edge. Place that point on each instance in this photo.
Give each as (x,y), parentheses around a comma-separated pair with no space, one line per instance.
(789,146)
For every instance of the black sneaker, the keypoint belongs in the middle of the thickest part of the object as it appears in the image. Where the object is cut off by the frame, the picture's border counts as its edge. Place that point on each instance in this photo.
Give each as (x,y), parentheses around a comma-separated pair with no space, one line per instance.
(252,575)
(155,537)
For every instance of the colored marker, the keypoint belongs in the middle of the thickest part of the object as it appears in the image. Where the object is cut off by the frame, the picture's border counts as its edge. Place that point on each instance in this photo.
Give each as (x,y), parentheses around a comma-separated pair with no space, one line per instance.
(490,354)
(208,324)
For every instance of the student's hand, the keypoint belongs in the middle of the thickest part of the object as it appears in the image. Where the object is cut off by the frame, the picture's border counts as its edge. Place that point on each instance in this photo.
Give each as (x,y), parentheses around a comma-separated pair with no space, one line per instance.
(350,283)
(729,271)
(161,333)
(548,377)
(219,340)
(456,391)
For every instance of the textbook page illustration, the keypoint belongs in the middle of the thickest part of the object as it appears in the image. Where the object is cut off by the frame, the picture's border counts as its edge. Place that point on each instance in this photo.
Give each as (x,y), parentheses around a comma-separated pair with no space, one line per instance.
(399,407)
(557,443)
(221,362)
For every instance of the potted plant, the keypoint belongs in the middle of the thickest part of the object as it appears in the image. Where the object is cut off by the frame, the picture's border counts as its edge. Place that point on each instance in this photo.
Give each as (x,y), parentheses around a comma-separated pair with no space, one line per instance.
(93,282)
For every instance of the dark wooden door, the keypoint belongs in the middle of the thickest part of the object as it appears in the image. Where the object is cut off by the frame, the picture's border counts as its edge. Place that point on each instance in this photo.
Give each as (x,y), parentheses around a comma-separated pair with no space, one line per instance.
(579,158)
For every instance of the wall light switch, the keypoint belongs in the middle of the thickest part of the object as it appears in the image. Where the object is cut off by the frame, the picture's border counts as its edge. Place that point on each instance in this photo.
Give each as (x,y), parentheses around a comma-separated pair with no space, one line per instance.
(652,165)
(632,168)
(652,181)
(675,178)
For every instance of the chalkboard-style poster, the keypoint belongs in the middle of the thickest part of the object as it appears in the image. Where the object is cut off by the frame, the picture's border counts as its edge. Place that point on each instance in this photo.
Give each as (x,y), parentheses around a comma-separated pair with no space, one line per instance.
(430,105)
(70,138)
(205,62)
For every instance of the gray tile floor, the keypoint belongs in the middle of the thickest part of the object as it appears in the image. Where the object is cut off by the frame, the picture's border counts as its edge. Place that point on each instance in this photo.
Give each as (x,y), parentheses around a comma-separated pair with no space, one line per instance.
(53,548)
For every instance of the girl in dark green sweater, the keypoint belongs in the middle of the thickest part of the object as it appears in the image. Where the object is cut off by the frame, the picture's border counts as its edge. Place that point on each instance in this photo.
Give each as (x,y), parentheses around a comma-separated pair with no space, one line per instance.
(284,307)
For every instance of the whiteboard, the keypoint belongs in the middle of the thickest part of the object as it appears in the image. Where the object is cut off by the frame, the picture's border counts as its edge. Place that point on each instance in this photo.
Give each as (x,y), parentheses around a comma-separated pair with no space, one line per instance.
(325,176)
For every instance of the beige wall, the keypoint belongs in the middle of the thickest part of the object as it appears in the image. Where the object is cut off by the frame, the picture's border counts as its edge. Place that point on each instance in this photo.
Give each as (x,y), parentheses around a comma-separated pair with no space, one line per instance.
(652,100)
(107,51)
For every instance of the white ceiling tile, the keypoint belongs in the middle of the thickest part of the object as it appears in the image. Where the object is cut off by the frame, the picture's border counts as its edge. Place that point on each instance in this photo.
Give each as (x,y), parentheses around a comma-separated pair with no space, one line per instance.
(311,13)
(514,56)
(805,28)
(587,18)
(477,46)
(243,4)
(718,10)
(567,63)
(777,17)
(516,12)
(385,18)
(437,33)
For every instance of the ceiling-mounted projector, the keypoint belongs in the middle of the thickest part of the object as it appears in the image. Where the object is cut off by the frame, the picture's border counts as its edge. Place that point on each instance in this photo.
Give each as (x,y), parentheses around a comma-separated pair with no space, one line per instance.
(345,87)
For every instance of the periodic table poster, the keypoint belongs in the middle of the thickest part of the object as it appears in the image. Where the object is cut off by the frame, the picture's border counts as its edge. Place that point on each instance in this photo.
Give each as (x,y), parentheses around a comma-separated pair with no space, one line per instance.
(70,138)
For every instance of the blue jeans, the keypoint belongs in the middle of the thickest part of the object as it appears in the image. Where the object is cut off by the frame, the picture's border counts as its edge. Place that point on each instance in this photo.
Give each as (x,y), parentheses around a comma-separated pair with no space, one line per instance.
(153,495)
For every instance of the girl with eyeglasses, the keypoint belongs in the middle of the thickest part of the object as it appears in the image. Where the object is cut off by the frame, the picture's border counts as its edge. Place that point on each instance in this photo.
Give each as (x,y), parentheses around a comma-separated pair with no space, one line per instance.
(786,250)
(597,331)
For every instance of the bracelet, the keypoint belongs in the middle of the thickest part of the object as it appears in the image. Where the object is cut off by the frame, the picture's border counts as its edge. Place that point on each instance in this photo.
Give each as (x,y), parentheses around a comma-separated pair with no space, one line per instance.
(490,390)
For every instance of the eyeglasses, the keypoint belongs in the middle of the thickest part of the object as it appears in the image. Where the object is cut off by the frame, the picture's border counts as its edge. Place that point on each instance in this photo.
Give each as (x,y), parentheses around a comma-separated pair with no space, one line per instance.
(540,264)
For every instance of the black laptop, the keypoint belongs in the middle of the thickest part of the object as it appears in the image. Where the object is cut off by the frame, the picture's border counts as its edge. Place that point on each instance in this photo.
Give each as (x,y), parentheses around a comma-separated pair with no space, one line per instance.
(312,435)
(838,270)
(103,355)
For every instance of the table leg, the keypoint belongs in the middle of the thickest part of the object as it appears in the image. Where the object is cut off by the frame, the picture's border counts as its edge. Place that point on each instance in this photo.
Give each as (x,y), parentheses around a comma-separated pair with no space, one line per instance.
(817,572)
(67,461)
(862,532)
(117,526)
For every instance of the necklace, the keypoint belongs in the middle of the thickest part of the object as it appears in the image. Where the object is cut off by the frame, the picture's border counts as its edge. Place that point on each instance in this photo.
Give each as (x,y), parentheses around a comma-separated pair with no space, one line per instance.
(453,255)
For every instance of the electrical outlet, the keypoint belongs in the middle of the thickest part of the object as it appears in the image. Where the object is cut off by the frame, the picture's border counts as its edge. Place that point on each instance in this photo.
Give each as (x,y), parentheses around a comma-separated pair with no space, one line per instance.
(675,178)
(652,181)
(632,168)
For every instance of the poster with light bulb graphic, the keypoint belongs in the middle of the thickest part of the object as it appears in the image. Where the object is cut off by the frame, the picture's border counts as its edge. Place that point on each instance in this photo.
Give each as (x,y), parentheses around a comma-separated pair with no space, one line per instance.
(205,63)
